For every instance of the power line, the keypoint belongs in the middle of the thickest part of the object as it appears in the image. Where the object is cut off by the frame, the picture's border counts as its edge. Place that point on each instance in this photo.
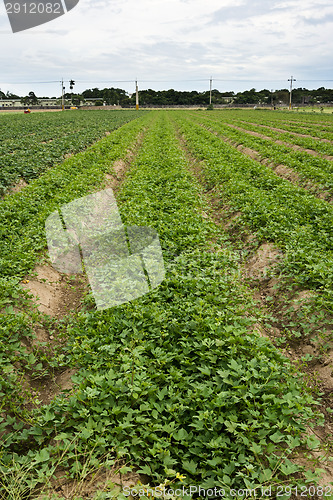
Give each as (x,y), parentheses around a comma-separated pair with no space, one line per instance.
(106,81)
(166,81)
(270,81)
(32,83)
(80,81)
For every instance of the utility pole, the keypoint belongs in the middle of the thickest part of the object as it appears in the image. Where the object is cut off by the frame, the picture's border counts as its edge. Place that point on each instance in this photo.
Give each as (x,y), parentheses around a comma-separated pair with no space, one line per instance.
(210,90)
(62,95)
(291,80)
(136,95)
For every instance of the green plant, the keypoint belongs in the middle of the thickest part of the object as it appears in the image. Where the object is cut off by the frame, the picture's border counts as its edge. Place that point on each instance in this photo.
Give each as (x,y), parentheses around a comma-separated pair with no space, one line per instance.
(29,148)
(175,381)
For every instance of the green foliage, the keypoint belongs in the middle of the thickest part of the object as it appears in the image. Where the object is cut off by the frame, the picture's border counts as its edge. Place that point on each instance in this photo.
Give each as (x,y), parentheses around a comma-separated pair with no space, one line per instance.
(23,215)
(309,141)
(31,145)
(308,166)
(173,382)
(22,220)
(271,206)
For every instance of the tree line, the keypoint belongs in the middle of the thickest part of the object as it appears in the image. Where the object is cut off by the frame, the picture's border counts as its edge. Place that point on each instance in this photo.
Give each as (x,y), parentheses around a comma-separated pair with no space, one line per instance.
(171,97)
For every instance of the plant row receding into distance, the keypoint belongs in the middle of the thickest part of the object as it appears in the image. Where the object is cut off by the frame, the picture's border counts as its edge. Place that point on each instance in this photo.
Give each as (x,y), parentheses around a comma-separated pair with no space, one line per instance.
(306,166)
(319,141)
(178,382)
(43,140)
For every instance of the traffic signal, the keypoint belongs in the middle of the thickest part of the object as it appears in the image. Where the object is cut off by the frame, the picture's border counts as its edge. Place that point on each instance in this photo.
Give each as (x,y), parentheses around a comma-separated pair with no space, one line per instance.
(71,84)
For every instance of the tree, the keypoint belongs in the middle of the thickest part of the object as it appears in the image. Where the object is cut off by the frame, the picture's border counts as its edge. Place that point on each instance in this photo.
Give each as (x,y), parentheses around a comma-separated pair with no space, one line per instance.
(247,97)
(30,99)
(9,95)
(282,96)
(76,99)
(95,92)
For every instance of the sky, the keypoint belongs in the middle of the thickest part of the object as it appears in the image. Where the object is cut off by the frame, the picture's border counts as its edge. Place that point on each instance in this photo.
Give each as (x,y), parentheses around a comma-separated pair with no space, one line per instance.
(180,44)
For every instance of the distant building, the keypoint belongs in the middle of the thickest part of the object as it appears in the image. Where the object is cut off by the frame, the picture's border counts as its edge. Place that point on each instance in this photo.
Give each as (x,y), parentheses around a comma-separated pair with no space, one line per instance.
(10,103)
(16,103)
(227,98)
(46,103)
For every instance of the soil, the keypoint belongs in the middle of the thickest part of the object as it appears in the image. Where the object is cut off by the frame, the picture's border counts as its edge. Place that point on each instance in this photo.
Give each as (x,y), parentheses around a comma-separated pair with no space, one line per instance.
(19,186)
(113,180)
(117,173)
(287,173)
(64,488)
(55,294)
(44,390)
(15,189)
(257,266)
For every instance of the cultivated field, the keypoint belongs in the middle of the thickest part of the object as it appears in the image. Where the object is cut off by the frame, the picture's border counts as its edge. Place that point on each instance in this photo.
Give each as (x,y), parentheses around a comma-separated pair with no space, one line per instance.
(30,145)
(220,378)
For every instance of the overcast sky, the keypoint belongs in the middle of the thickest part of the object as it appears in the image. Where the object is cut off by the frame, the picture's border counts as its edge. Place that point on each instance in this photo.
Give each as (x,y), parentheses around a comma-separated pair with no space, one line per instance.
(176,44)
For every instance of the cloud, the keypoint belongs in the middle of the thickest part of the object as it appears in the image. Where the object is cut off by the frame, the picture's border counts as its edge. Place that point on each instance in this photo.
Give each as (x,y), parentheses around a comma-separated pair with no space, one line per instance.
(101,41)
(240,12)
(318,20)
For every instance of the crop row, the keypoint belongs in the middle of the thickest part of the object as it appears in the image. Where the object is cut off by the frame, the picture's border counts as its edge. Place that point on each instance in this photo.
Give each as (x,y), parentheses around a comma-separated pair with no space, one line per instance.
(273,207)
(173,382)
(313,132)
(308,166)
(313,122)
(32,143)
(285,121)
(22,219)
(23,215)
(304,142)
